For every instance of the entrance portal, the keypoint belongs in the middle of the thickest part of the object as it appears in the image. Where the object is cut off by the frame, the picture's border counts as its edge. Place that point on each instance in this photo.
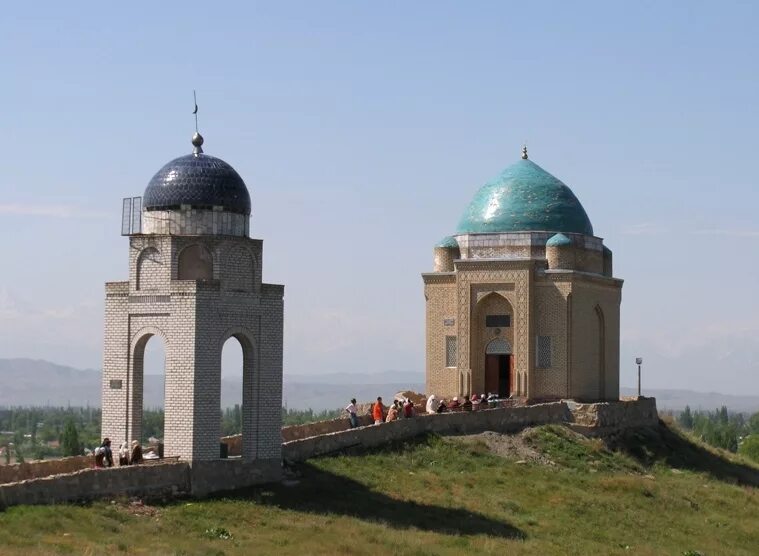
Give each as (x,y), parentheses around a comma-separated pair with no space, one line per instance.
(498,368)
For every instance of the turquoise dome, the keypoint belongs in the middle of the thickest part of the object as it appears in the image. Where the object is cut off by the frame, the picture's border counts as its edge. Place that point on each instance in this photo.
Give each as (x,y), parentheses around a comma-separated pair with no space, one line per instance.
(525,198)
(447,241)
(559,240)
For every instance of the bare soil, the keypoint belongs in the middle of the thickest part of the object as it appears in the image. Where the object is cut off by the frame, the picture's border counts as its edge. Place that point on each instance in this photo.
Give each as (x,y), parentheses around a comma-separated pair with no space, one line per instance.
(509,446)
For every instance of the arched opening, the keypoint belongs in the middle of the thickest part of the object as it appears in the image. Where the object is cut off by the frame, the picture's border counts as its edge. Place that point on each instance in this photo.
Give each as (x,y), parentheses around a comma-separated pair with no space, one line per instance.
(601,353)
(239,394)
(148,270)
(148,396)
(195,263)
(498,379)
(231,396)
(492,325)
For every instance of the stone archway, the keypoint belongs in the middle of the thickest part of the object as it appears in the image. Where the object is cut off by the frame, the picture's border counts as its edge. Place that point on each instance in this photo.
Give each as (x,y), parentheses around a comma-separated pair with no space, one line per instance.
(493,318)
(135,395)
(251,390)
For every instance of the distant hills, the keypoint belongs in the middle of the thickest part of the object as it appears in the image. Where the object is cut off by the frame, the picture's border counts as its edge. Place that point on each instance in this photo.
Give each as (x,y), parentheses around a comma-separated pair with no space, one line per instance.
(37,382)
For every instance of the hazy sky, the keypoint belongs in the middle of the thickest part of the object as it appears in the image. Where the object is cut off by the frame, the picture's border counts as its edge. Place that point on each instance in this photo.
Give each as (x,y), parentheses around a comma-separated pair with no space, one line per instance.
(362,130)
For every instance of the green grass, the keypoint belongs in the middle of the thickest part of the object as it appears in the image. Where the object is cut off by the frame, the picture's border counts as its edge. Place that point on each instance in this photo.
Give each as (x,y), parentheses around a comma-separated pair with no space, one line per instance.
(655,493)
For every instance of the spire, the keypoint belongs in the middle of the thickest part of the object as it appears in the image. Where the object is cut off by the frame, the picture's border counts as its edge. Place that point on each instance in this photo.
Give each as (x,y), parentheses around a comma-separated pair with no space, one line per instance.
(524,152)
(197,139)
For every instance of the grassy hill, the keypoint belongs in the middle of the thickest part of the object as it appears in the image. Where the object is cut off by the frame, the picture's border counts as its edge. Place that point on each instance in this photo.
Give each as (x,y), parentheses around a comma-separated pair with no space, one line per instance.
(544,491)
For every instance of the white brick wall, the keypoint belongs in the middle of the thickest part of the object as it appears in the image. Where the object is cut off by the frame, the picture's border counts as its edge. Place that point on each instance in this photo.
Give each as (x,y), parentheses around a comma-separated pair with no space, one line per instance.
(194,319)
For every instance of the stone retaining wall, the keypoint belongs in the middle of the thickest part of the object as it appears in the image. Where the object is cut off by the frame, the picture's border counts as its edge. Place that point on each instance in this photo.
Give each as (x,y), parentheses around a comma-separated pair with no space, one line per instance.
(298,432)
(45,468)
(626,413)
(143,481)
(598,418)
(87,484)
(498,420)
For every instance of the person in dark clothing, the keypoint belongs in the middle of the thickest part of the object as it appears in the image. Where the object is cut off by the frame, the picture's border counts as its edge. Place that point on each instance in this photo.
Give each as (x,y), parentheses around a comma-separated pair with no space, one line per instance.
(467,405)
(136,453)
(104,455)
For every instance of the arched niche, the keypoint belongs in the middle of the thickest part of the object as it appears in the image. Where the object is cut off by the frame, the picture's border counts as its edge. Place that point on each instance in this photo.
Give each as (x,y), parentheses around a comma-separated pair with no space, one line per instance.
(149,271)
(195,262)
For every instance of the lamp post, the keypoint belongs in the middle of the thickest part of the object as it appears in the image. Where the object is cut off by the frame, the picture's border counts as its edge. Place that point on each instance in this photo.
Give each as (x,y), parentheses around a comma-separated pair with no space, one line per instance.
(639,362)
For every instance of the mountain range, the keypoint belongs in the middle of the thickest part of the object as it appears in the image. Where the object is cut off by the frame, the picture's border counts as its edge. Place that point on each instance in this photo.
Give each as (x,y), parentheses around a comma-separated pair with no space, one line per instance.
(25,382)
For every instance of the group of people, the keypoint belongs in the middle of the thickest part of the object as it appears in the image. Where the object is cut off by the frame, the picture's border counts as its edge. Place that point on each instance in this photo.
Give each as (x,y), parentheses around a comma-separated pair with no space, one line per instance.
(404,408)
(473,403)
(400,409)
(104,454)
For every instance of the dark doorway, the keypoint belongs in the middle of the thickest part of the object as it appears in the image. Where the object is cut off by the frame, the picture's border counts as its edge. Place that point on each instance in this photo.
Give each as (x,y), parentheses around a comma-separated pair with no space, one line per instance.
(498,374)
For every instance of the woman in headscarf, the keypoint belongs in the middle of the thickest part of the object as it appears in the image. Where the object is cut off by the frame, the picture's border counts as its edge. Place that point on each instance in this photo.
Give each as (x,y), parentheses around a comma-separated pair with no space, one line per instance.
(432,404)
(124,454)
(136,453)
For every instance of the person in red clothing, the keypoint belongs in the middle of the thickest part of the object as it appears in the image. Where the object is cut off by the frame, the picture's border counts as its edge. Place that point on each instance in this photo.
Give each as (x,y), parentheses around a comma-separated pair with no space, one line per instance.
(408,409)
(378,412)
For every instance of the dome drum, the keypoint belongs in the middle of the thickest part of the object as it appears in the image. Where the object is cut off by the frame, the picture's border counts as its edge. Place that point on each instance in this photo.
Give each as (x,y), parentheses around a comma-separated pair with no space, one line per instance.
(195,222)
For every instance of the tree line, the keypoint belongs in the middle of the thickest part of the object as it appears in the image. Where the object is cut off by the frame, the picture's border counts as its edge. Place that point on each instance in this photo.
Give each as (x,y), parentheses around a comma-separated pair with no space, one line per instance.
(735,432)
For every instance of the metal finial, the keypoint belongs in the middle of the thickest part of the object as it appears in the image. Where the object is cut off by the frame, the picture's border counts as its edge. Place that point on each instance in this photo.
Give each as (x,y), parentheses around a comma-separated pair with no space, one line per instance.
(197,143)
(197,139)
(524,152)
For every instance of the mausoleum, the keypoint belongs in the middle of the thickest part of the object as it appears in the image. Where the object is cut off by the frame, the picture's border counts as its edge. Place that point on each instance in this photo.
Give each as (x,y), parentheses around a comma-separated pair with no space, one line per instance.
(522,301)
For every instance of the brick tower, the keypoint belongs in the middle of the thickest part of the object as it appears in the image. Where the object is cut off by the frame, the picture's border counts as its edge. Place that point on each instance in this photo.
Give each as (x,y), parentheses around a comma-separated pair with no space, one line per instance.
(194,281)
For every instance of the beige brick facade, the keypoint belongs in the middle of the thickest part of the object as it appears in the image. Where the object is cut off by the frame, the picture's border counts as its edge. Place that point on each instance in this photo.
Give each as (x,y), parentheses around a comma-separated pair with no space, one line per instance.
(562,305)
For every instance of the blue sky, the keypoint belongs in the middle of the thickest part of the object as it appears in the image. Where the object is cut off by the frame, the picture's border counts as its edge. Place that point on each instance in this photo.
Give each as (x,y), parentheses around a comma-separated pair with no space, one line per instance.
(362,130)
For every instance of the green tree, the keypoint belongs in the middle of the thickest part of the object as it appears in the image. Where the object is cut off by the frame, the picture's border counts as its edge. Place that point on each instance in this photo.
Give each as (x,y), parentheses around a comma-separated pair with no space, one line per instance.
(686,418)
(753,423)
(70,441)
(750,447)
(723,416)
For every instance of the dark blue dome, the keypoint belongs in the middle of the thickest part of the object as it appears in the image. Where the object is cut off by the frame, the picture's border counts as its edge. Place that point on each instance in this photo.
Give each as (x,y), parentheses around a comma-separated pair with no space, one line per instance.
(198,180)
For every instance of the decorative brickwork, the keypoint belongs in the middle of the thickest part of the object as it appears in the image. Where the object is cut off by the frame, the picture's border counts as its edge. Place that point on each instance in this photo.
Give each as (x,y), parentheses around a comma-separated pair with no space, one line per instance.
(575,310)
